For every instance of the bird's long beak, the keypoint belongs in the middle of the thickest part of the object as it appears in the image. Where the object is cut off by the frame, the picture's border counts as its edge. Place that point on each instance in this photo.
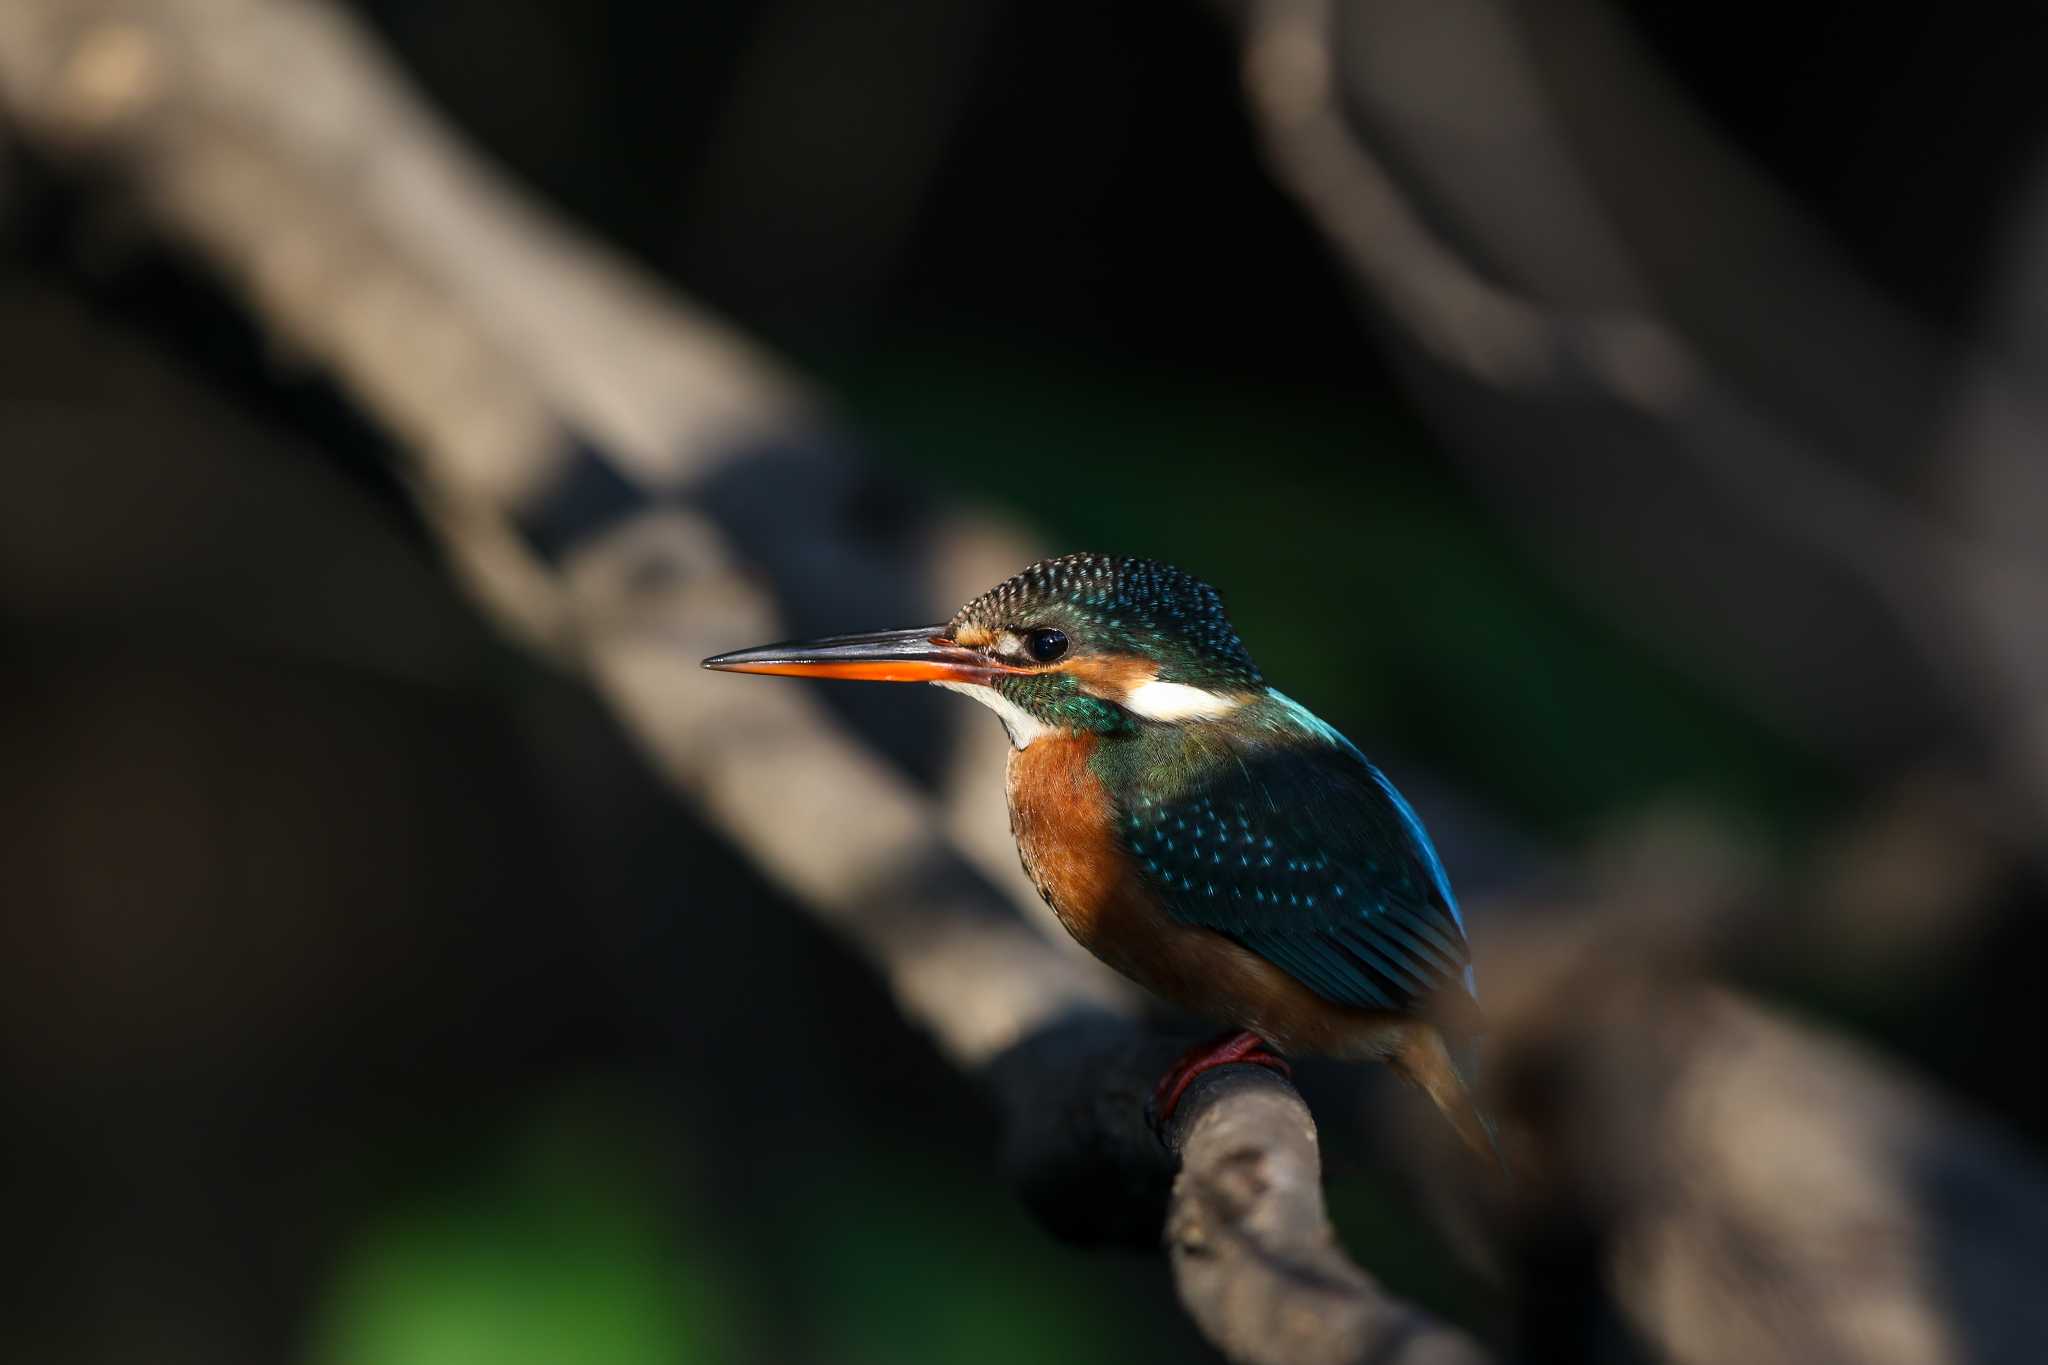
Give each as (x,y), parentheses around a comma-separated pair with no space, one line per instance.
(922,655)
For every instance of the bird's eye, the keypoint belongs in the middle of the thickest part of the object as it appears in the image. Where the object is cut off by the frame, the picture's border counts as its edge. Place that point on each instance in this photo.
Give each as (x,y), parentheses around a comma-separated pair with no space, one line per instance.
(1046,644)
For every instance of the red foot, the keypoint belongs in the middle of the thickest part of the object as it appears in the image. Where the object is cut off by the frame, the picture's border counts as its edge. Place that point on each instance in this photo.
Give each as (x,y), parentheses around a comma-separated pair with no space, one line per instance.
(1227,1050)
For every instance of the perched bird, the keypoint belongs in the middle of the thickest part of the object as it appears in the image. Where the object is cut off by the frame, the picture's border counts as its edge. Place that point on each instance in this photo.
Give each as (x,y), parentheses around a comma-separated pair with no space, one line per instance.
(1196,829)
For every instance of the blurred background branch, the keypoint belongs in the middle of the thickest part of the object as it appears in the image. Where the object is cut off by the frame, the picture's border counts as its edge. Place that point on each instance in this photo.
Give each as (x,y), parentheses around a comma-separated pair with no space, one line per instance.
(565,437)
(1544,280)
(347,865)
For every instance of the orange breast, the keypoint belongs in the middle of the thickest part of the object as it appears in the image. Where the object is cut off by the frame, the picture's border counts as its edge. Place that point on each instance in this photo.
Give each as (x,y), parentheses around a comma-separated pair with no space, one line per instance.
(1062,817)
(1065,823)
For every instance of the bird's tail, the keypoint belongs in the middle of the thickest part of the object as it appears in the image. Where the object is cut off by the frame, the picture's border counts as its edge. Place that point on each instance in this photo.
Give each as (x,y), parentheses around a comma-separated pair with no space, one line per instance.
(1425,1060)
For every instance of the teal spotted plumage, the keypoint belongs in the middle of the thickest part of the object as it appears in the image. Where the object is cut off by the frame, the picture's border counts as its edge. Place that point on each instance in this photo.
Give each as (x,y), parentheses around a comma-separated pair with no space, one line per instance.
(1283,836)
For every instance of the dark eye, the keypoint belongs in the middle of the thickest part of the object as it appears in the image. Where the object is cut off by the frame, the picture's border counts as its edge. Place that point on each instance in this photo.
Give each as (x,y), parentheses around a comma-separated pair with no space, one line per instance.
(1046,644)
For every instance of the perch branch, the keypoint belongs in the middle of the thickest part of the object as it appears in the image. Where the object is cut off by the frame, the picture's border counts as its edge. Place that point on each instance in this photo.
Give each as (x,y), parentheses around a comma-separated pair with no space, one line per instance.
(1256,1265)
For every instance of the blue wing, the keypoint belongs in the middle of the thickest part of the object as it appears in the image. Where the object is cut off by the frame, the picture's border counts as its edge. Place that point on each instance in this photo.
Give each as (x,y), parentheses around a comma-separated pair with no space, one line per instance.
(1308,856)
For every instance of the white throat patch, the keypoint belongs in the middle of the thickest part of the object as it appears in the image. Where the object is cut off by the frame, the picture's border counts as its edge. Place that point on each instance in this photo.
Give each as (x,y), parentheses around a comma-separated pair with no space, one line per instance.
(1022,725)
(1156,700)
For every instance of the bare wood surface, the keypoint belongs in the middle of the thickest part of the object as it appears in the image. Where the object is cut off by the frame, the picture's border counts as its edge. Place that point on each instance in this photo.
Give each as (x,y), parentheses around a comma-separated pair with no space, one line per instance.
(1250,1185)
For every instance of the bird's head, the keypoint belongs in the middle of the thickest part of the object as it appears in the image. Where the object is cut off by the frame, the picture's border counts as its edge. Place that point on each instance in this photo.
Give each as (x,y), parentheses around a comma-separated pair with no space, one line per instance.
(1080,643)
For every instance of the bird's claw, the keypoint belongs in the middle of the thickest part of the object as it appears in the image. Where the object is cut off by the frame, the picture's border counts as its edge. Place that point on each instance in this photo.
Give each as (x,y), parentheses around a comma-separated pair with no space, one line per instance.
(1230,1049)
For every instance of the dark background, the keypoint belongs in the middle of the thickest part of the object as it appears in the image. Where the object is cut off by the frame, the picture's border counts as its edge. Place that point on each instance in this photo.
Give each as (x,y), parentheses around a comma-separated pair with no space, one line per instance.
(335,1031)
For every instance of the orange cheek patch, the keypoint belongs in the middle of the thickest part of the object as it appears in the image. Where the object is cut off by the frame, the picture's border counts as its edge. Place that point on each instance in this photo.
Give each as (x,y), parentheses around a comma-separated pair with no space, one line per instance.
(974,637)
(1112,676)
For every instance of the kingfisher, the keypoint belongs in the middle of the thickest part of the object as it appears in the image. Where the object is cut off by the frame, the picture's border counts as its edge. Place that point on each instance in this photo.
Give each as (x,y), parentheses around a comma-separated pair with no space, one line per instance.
(1196,828)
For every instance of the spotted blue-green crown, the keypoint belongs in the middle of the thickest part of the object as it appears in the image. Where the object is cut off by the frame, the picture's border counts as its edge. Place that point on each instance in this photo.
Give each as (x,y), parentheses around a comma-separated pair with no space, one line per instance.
(1123,604)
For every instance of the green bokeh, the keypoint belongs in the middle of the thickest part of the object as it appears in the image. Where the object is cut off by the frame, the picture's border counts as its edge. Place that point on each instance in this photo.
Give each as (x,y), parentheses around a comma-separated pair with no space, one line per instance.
(563,1246)
(565,1237)
(922,1262)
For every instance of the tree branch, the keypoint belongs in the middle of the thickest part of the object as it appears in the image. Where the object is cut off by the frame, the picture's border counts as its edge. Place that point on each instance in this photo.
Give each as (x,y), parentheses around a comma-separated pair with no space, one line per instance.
(1253,1253)
(1747,1188)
